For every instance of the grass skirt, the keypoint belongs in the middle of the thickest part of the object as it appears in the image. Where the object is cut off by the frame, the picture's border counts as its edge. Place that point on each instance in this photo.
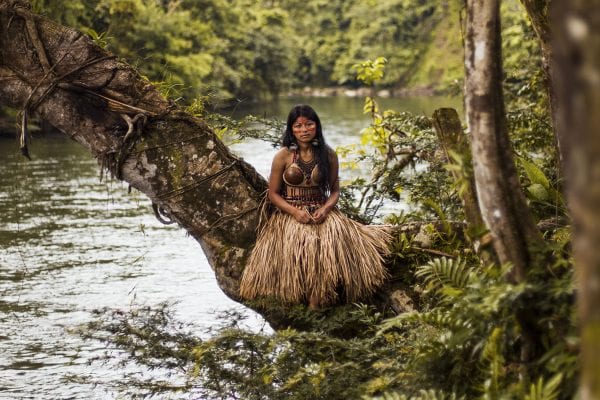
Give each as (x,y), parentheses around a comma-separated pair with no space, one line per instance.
(295,262)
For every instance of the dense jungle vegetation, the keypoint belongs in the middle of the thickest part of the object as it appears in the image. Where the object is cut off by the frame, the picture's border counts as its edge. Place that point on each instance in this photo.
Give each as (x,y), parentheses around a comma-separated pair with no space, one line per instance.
(250,49)
(469,326)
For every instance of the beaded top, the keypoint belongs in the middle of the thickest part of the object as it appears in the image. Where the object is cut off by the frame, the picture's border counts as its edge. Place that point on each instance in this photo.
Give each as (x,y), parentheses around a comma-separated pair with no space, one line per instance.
(301,173)
(300,184)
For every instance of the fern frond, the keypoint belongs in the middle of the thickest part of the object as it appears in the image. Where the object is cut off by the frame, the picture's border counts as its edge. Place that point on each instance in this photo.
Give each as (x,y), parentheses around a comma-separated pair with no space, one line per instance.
(436,395)
(444,271)
(423,395)
(545,391)
(437,209)
(436,318)
(391,396)
(494,363)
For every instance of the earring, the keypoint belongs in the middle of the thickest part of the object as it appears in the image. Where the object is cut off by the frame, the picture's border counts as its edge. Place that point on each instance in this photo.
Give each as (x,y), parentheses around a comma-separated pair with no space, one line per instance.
(293,146)
(315,142)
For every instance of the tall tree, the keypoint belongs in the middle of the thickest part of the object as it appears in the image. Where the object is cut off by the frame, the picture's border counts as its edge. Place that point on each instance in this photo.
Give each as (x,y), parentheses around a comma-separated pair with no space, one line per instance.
(502,202)
(576,41)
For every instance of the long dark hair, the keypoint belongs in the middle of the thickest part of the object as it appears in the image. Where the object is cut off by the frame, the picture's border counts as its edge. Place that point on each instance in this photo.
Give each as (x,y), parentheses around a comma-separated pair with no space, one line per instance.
(320,151)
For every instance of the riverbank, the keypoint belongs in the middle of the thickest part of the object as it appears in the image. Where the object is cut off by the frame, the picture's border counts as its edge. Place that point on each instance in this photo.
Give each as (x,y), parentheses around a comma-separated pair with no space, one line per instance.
(342,91)
(415,99)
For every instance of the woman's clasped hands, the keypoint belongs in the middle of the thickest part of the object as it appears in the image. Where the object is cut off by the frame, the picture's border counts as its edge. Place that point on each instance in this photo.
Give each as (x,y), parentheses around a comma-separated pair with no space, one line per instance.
(317,217)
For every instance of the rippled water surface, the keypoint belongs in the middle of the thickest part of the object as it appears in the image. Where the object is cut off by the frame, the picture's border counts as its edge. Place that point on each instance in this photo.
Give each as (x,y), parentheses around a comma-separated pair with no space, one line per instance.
(70,244)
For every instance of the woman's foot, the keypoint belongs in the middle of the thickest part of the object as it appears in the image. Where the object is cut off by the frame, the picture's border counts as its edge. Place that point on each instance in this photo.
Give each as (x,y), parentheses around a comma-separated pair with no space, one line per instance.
(313,303)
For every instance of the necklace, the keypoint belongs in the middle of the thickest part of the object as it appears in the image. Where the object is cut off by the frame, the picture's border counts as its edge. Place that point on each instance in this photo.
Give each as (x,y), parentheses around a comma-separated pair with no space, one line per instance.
(306,167)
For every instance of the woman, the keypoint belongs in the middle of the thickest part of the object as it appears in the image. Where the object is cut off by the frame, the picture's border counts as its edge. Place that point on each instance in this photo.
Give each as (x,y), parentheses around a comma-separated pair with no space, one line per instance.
(307,250)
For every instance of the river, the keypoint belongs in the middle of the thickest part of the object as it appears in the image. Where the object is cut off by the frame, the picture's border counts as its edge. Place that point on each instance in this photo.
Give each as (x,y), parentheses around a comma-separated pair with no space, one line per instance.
(71,244)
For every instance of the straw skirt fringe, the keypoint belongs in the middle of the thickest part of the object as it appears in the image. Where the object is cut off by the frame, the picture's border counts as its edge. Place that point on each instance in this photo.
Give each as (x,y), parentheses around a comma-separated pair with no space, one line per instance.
(294,262)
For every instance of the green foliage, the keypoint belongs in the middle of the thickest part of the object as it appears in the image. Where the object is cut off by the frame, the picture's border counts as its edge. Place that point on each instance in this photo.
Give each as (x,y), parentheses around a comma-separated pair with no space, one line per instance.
(462,167)
(423,395)
(528,112)
(446,275)
(540,190)
(212,46)
(444,42)
(475,327)
(524,84)
(235,363)
(165,42)
(99,38)
(370,71)
(290,365)
(403,154)
(73,13)
(394,28)
(259,49)
(545,390)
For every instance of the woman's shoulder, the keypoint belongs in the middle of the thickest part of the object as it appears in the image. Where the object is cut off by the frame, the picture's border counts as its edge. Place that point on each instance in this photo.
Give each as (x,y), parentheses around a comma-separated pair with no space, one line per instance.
(283,155)
(283,152)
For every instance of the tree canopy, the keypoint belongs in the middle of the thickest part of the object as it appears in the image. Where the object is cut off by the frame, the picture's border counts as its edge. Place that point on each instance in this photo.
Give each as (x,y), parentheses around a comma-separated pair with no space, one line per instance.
(258,49)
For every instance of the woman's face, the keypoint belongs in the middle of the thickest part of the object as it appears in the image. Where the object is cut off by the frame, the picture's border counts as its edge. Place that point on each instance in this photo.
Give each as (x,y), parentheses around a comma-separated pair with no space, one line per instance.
(304,129)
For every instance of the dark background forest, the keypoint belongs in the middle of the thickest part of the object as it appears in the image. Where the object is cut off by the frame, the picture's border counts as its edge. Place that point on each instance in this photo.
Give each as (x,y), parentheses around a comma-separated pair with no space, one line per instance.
(230,50)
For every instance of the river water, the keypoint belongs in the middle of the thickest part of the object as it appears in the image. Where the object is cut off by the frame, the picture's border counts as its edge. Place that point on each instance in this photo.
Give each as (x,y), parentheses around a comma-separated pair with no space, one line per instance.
(71,244)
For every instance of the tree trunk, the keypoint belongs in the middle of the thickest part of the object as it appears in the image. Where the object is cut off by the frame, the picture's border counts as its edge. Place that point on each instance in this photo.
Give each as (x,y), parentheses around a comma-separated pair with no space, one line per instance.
(576,24)
(453,140)
(538,12)
(102,103)
(502,202)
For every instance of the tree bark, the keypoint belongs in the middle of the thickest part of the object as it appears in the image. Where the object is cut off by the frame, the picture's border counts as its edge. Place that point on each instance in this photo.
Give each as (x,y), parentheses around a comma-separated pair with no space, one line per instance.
(576,41)
(538,12)
(452,138)
(502,202)
(102,103)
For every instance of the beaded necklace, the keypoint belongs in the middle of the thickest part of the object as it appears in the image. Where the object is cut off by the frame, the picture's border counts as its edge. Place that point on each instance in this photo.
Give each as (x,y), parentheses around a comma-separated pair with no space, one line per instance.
(305,166)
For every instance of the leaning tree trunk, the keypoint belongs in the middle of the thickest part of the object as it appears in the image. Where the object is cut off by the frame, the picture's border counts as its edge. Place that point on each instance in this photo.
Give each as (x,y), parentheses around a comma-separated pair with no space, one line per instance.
(502,202)
(576,24)
(105,105)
